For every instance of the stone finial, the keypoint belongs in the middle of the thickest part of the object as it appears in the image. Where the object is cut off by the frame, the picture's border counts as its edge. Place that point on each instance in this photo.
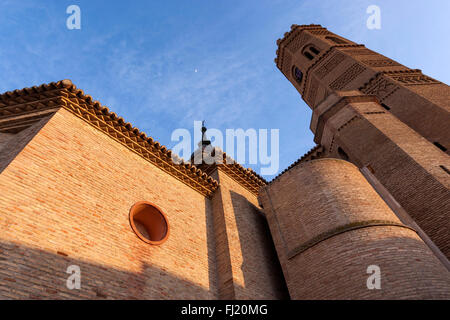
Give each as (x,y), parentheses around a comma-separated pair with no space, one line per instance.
(66,83)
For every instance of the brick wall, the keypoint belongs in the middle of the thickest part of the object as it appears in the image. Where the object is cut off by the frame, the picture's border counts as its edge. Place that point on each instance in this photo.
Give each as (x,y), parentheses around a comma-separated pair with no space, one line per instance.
(65,200)
(424,108)
(247,262)
(406,164)
(329,225)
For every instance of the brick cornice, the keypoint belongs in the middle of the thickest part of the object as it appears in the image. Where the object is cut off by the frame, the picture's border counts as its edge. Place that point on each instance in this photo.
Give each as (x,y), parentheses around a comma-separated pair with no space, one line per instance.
(246,177)
(64,94)
(342,229)
(324,116)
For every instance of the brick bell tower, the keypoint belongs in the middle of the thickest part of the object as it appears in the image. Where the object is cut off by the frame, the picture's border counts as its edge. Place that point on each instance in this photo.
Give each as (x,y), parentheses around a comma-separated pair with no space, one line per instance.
(382,133)
(381,116)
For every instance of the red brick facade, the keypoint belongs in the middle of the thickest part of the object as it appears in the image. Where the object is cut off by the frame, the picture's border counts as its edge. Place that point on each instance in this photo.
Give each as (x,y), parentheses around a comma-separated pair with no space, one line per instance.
(66,198)
(374,112)
(339,226)
(70,170)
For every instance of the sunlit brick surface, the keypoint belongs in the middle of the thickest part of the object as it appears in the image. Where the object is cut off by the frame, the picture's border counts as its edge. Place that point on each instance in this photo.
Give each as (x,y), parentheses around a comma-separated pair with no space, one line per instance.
(329,201)
(70,191)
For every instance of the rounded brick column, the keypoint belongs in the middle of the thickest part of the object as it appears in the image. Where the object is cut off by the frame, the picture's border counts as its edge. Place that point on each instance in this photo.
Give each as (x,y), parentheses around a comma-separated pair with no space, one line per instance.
(330,226)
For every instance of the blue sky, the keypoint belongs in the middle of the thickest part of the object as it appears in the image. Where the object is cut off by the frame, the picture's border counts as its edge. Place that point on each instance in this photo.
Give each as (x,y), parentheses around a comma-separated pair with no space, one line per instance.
(139,58)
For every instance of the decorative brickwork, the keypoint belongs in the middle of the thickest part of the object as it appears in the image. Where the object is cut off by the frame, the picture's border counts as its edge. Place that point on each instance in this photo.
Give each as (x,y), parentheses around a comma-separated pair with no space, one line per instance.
(320,32)
(297,42)
(410,77)
(348,76)
(246,177)
(380,86)
(360,52)
(316,61)
(329,65)
(286,64)
(399,127)
(380,63)
(47,98)
(336,40)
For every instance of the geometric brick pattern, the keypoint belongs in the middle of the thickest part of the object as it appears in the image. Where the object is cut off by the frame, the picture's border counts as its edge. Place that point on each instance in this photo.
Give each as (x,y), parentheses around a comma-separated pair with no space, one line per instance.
(332,63)
(379,86)
(297,43)
(348,76)
(411,77)
(380,63)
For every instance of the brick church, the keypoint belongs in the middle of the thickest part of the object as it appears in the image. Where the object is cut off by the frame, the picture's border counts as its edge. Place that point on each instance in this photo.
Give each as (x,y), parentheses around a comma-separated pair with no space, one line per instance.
(80,186)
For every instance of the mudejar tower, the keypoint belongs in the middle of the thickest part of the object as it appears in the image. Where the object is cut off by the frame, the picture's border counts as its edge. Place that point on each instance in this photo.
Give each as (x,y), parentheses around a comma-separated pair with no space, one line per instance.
(390,125)
(377,113)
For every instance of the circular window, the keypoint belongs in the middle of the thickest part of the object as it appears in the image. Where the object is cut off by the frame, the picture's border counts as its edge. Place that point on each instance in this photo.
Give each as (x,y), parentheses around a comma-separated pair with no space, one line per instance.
(298,75)
(149,223)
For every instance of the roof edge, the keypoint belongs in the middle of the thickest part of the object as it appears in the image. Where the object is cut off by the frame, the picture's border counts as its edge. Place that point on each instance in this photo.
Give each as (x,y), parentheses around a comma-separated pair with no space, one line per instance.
(312,154)
(90,110)
(248,178)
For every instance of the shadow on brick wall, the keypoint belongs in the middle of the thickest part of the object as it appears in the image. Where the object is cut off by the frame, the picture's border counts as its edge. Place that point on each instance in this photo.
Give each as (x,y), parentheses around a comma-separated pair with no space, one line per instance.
(32,273)
(210,239)
(260,261)
(16,142)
